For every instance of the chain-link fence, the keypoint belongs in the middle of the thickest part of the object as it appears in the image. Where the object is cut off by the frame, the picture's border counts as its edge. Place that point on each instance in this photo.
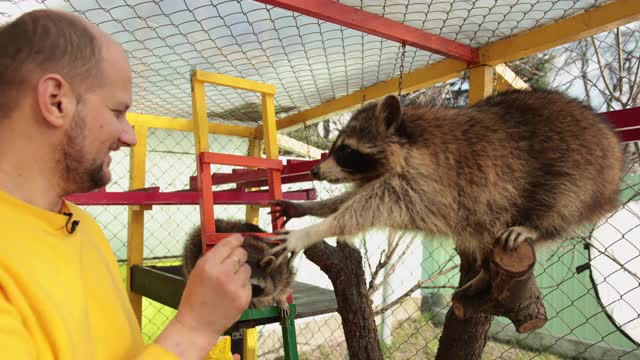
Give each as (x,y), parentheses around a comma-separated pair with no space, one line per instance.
(591,284)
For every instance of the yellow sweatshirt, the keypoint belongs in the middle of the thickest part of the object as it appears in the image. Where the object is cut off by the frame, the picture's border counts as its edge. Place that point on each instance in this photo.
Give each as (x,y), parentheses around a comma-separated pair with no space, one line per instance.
(61,295)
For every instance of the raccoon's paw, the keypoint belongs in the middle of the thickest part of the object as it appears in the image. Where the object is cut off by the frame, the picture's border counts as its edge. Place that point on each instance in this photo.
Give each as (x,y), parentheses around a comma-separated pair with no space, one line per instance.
(286,209)
(294,242)
(284,309)
(511,238)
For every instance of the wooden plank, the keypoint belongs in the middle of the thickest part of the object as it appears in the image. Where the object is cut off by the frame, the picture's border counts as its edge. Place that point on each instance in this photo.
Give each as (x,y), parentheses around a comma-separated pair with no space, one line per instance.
(480,83)
(181,124)
(588,23)
(432,74)
(135,226)
(241,160)
(160,283)
(353,18)
(591,22)
(234,82)
(225,197)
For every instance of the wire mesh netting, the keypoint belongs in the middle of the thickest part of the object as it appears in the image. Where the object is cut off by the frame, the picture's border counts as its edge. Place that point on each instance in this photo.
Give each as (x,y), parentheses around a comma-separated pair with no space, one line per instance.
(309,61)
(590,284)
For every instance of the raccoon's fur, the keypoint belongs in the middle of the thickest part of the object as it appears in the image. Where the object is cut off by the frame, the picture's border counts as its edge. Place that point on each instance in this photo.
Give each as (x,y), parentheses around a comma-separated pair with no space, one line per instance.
(517,165)
(270,283)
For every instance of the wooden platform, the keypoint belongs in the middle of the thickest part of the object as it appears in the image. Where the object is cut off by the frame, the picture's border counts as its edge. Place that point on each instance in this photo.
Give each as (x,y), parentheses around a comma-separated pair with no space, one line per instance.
(165,284)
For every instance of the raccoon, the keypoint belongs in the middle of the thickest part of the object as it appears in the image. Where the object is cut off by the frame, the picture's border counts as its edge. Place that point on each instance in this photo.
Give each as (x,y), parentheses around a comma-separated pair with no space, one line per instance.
(519,165)
(270,283)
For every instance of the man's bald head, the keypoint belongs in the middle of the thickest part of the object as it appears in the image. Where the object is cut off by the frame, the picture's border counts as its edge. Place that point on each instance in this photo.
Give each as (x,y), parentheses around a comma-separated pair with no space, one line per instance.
(48,41)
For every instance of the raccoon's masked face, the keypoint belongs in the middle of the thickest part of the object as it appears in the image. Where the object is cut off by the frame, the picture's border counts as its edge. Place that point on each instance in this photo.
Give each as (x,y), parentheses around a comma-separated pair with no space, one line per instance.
(359,153)
(261,282)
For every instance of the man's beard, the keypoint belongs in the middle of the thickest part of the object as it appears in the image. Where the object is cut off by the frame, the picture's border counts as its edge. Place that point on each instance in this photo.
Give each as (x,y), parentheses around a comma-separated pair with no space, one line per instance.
(79,174)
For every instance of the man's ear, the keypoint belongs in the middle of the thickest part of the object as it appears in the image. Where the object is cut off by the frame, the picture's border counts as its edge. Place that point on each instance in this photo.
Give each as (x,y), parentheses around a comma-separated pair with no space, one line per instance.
(55,99)
(388,112)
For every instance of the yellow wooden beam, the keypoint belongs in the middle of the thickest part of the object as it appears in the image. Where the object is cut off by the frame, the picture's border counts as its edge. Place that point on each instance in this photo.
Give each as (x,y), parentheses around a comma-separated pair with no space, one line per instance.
(588,23)
(507,79)
(414,80)
(252,214)
(298,147)
(269,126)
(181,124)
(480,83)
(234,82)
(135,229)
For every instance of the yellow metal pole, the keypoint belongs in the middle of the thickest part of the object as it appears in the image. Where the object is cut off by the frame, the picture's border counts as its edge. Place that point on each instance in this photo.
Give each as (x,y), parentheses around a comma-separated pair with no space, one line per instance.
(480,83)
(135,230)
(253,212)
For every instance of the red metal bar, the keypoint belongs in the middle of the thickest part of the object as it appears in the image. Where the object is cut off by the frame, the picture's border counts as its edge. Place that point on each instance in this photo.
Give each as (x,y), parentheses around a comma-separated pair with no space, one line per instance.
(347,16)
(145,198)
(626,118)
(239,160)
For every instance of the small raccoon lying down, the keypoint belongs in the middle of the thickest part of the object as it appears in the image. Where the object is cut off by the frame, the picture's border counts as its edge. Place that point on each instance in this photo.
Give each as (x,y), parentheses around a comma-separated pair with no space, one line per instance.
(515,166)
(270,283)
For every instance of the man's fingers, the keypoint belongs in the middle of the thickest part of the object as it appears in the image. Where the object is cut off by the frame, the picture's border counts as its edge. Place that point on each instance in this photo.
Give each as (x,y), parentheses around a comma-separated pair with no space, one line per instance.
(244,274)
(225,247)
(237,258)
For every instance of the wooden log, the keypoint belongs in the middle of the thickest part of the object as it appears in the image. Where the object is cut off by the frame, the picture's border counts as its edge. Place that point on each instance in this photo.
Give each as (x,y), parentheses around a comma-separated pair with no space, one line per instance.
(506,287)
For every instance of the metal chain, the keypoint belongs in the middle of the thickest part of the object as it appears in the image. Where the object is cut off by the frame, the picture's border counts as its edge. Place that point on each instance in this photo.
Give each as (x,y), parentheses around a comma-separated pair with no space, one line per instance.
(404,47)
(306,135)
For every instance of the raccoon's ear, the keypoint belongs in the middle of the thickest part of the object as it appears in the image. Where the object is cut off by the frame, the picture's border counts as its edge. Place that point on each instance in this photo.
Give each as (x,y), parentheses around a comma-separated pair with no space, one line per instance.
(267,263)
(389,111)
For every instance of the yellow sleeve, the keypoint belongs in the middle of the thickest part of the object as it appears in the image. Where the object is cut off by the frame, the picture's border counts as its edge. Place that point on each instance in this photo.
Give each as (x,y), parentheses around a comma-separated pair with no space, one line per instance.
(15,341)
(155,351)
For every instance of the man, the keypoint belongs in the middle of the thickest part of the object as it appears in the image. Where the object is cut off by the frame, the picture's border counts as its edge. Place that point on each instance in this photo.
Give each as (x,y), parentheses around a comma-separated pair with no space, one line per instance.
(65,87)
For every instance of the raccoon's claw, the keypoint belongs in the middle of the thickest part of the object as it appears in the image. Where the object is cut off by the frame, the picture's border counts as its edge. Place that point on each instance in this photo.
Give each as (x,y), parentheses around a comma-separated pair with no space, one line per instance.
(284,309)
(511,238)
(284,252)
(286,209)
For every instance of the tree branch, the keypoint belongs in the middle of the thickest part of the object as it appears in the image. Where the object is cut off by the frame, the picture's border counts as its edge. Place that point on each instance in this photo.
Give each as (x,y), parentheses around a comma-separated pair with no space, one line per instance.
(612,94)
(420,284)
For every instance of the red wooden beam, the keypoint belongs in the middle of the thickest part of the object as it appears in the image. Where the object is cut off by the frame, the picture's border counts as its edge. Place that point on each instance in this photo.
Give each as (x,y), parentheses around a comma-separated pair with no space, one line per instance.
(142,198)
(239,160)
(290,174)
(350,17)
(625,118)
(626,122)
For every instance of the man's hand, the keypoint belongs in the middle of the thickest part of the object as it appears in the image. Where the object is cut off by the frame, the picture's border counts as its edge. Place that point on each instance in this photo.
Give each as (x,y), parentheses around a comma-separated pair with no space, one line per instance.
(216,294)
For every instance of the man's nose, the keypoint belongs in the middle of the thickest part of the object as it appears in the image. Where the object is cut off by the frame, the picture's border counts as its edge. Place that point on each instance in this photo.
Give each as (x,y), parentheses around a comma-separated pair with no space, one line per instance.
(128,136)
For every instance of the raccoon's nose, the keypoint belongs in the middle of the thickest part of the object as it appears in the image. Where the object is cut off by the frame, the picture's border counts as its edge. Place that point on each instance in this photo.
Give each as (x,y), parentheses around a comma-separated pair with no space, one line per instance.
(315,171)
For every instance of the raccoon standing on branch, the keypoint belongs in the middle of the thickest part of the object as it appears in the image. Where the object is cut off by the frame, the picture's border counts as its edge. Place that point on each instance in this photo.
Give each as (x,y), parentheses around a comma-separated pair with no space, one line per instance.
(517,166)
